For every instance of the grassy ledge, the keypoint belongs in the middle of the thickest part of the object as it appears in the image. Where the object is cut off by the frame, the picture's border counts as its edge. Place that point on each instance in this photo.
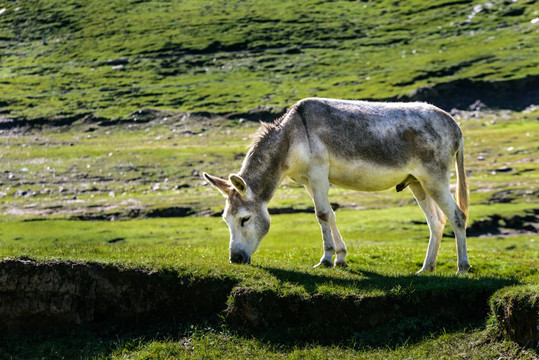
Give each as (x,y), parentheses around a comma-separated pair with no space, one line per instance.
(73,294)
(516,314)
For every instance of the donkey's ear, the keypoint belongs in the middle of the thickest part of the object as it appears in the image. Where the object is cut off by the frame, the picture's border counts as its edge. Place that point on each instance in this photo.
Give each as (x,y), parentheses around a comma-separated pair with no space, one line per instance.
(238,183)
(222,185)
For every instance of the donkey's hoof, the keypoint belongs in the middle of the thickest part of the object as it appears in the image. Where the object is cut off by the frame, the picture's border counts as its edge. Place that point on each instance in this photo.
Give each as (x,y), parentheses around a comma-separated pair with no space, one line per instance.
(463,269)
(425,270)
(324,263)
(342,264)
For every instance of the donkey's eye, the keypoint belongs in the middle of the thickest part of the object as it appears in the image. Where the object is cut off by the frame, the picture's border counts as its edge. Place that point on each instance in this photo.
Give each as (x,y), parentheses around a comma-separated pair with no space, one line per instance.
(244,220)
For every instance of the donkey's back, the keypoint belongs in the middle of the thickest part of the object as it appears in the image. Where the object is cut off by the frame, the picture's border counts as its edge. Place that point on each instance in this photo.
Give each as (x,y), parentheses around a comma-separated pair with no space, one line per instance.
(373,146)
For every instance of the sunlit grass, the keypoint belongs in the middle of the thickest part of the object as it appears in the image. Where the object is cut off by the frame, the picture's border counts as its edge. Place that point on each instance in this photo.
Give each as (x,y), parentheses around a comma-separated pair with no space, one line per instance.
(384,242)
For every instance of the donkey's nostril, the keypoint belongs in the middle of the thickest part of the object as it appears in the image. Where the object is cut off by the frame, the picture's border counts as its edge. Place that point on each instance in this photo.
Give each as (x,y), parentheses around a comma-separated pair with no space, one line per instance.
(239,257)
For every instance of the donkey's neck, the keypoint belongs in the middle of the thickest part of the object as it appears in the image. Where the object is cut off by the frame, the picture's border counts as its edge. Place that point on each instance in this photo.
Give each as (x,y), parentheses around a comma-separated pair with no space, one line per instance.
(266,162)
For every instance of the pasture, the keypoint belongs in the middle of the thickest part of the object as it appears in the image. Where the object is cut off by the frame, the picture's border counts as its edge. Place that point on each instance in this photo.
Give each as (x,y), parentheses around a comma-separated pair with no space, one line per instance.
(92,194)
(112,244)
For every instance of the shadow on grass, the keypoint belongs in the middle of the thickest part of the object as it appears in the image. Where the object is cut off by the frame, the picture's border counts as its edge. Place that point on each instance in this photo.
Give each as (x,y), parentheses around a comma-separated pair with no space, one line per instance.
(104,341)
(385,310)
(392,285)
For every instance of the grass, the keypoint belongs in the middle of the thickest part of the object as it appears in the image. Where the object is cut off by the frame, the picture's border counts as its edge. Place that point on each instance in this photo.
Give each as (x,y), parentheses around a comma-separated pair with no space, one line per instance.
(54,176)
(113,171)
(217,342)
(515,311)
(377,242)
(230,56)
(103,65)
(216,345)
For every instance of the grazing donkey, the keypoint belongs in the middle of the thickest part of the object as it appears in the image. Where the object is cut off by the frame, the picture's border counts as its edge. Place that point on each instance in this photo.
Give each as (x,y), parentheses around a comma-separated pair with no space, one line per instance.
(359,145)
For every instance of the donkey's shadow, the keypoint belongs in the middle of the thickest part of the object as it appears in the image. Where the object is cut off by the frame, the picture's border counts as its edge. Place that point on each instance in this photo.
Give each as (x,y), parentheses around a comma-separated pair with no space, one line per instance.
(370,281)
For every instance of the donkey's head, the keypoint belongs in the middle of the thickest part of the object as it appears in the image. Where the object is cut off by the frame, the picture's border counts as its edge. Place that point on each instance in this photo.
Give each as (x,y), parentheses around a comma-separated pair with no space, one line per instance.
(247,217)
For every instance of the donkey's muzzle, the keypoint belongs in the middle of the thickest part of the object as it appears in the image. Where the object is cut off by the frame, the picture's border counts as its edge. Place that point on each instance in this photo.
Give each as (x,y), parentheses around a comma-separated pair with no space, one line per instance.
(240,257)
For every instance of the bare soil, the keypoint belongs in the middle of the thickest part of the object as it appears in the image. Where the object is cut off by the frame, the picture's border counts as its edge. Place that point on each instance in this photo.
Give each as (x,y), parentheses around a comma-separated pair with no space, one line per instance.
(52,295)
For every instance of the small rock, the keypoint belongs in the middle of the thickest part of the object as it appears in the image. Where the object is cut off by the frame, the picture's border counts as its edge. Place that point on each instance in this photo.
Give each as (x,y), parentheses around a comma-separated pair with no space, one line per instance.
(478,105)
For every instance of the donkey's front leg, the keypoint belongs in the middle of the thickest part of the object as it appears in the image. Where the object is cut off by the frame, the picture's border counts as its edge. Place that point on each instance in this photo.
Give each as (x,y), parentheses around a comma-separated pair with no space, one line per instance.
(322,215)
(318,189)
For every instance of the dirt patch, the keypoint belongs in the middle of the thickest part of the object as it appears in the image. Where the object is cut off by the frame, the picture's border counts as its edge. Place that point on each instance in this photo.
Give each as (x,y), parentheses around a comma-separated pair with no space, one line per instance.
(498,225)
(58,295)
(261,113)
(173,211)
(59,120)
(515,94)
(502,197)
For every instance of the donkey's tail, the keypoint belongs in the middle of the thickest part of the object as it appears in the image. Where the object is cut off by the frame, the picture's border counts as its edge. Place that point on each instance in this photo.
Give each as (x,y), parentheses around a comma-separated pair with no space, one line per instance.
(462,186)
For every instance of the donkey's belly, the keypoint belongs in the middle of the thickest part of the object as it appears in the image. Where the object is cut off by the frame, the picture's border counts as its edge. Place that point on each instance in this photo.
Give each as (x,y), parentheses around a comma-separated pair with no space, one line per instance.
(364,176)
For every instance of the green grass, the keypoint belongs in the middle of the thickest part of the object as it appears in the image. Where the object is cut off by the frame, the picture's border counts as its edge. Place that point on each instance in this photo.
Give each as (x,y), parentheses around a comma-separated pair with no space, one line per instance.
(515,311)
(382,242)
(222,345)
(385,250)
(230,56)
(52,176)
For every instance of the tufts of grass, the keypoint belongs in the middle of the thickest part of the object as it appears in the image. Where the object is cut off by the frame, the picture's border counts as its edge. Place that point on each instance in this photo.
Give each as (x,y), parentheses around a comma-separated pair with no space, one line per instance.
(211,341)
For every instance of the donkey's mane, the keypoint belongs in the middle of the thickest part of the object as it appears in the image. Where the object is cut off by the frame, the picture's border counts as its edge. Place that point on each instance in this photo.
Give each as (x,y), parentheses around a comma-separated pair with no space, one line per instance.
(263,131)
(266,130)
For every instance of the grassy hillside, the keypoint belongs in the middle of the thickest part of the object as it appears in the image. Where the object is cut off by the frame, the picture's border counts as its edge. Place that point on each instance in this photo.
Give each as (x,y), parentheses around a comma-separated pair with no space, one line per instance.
(108,59)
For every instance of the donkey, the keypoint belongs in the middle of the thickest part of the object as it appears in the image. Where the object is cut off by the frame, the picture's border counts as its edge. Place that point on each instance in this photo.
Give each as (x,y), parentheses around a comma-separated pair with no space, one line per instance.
(366,146)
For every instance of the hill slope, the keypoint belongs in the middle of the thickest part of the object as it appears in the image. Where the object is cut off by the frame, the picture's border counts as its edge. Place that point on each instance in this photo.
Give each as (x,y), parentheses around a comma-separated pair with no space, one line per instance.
(108,59)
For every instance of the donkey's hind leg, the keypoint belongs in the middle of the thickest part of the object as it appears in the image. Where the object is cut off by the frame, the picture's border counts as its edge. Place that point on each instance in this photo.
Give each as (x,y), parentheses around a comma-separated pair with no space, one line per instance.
(439,191)
(435,220)
(340,247)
